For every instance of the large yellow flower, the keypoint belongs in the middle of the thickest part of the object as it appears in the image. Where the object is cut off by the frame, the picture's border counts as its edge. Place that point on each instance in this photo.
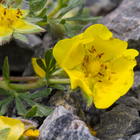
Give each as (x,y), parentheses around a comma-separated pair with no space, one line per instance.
(11,21)
(98,63)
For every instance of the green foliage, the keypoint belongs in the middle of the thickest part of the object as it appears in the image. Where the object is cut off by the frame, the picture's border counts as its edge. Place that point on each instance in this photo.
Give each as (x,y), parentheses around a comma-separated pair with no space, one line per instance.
(36,110)
(3,133)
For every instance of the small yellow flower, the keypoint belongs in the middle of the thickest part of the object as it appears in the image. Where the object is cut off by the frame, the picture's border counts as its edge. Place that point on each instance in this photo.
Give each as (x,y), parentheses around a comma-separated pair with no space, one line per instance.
(98,63)
(12,20)
(32,133)
(15,125)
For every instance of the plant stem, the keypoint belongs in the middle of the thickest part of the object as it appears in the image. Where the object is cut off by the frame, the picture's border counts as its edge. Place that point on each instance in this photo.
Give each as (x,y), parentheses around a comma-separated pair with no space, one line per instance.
(22,79)
(59,81)
(40,83)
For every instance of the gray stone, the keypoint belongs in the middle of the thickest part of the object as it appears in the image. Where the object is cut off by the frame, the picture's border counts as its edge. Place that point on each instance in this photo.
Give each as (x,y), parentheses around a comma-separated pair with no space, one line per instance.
(18,57)
(135,137)
(33,42)
(101,7)
(63,125)
(119,122)
(69,101)
(92,114)
(129,101)
(124,23)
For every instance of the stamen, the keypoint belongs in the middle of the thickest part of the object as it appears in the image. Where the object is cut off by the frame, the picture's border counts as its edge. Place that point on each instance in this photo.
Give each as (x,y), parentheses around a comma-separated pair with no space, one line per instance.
(12,2)
(92,50)
(99,81)
(100,74)
(100,55)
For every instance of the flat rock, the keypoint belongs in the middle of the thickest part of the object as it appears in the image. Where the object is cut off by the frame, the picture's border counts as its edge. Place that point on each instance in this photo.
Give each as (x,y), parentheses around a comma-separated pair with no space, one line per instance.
(124,23)
(119,122)
(63,125)
(69,101)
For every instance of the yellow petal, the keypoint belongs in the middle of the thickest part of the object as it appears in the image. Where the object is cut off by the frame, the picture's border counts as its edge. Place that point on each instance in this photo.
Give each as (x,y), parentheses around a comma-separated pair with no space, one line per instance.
(15,125)
(22,26)
(105,96)
(39,71)
(98,30)
(5,34)
(32,133)
(24,12)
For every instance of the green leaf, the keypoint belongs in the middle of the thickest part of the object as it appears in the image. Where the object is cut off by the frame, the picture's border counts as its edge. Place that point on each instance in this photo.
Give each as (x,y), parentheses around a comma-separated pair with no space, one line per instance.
(4,132)
(48,29)
(39,6)
(4,103)
(80,11)
(88,100)
(20,108)
(20,37)
(33,20)
(42,110)
(85,18)
(52,65)
(43,13)
(42,93)
(32,111)
(41,64)
(4,92)
(71,5)
(48,57)
(63,21)
(26,2)
(33,1)
(69,30)
(6,73)
(58,86)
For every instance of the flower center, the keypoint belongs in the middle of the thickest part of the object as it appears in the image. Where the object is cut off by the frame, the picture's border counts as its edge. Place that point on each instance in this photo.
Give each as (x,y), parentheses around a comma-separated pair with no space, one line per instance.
(92,65)
(8,15)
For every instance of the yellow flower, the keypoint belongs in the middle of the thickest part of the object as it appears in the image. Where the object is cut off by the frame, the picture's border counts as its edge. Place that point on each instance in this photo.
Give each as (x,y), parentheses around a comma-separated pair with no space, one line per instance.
(15,125)
(11,21)
(98,63)
(38,70)
(31,133)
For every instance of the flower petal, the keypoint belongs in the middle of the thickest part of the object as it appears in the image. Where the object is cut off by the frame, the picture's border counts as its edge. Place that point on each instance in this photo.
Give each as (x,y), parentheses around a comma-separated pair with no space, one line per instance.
(105,96)
(39,71)
(22,26)
(15,125)
(32,133)
(5,34)
(24,12)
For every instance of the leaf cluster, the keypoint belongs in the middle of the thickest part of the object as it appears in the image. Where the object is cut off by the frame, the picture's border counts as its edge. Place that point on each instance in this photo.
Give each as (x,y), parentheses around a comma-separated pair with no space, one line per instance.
(19,96)
(48,13)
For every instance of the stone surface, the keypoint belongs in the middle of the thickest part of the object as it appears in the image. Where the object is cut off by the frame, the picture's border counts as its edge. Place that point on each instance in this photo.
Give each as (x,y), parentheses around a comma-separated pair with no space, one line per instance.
(18,57)
(33,42)
(63,125)
(124,23)
(101,7)
(119,122)
(129,101)
(92,114)
(69,101)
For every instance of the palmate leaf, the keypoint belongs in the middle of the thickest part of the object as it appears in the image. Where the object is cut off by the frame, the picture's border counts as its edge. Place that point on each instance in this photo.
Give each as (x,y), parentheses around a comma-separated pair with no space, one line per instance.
(72,4)
(41,64)
(20,108)
(4,103)
(41,111)
(42,93)
(48,57)
(20,37)
(6,72)
(38,6)
(32,112)
(4,92)
(69,30)
(58,86)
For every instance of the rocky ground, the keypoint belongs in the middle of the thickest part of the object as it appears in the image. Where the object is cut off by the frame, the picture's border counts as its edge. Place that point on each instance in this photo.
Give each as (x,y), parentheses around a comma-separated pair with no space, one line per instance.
(70,116)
